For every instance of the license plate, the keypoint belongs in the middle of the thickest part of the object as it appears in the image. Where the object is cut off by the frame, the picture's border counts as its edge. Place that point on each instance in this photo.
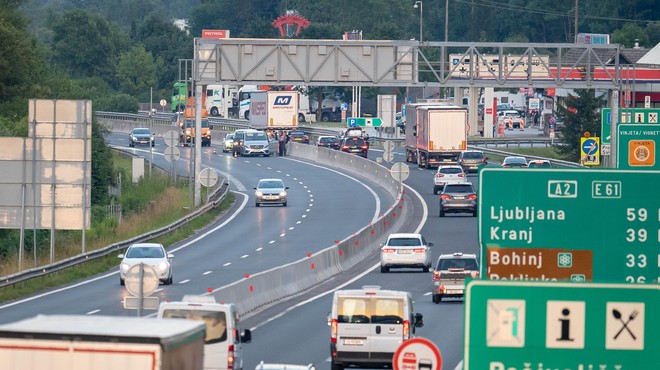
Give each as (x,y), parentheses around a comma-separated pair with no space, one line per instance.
(459,197)
(270,197)
(353,342)
(473,167)
(404,251)
(355,150)
(455,291)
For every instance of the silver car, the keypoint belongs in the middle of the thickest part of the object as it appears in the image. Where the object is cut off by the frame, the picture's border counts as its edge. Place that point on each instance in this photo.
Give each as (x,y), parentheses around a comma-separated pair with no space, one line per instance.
(270,191)
(405,250)
(255,143)
(152,254)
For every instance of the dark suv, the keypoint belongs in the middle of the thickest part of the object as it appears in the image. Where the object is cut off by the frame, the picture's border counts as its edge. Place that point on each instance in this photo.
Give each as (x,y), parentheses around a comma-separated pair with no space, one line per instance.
(355,145)
(471,160)
(458,197)
(450,273)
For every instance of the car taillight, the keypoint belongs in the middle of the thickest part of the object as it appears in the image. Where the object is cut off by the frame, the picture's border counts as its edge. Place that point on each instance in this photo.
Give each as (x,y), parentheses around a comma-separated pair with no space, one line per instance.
(436,275)
(345,147)
(406,329)
(472,196)
(333,331)
(463,160)
(483,160)
(445,197)
(230,357)
(419,250)
(364,147)
(389,250)
(474,274)
(438,175)
(461,175)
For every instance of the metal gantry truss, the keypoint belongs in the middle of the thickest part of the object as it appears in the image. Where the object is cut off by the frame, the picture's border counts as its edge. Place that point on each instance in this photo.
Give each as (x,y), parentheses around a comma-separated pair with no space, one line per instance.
(406,63)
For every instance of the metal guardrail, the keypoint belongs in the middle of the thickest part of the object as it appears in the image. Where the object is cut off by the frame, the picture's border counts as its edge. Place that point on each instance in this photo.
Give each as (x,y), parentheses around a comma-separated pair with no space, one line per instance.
(554,162)
(218,195)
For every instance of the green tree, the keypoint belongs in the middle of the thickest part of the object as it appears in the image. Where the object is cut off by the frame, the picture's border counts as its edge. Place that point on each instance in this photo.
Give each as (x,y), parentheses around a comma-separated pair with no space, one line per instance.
(629,34)
(86,45)
(136,71)
(581,114)
(168,43)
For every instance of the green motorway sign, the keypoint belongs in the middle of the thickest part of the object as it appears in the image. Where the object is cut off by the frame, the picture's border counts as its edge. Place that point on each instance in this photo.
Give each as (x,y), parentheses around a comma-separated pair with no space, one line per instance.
(569,224)
(626,115)
(364,121)
(637,147)
(533,325)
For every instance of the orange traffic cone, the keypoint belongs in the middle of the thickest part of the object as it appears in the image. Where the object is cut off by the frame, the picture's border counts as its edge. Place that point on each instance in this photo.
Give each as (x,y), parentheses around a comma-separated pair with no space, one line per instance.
(522,124)
(510,123)
(213,150)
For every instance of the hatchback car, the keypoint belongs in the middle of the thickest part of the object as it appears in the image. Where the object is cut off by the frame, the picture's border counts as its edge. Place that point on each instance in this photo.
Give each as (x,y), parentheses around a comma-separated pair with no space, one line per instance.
(298,137)
(405,250)
(355,145)
(448,175)
(450,272)
(510,162)
(331,142)
(458,198)
(152,254)
(228,143)
(141,136)
(270,191)
(539,163)
(471,160)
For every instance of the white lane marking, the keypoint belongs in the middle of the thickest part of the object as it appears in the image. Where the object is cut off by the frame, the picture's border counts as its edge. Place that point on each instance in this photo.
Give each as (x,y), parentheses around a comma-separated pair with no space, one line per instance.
(272,241)
(295,179)
(303,216)
(269,168)
(291,228)
(207,272)
(351,281)
(226,264)
(298,222)
(279,171)
(92,312)
(307,210)
(259,249)
(304,186)
(310,205)
(282,235)
(245,256)
(259,164)
(300,182)
(427,293)
(184,281)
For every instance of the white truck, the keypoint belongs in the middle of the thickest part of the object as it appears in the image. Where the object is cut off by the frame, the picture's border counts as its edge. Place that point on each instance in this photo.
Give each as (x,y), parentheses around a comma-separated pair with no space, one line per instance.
(220,100)
(306,107)
(85,342)
(435,134)
(274,110)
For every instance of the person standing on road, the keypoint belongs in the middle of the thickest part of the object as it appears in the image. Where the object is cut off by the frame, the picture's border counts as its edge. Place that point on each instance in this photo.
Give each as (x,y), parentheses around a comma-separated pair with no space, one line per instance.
(281,141)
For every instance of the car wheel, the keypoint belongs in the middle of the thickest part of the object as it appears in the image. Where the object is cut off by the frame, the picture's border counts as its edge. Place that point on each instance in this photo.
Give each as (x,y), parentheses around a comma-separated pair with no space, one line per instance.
(214,111)
(284,204)
(257,204)
(384,269)
(442,213)
(474,214)
(325,117)
(170,280)
(427,268)
(121,282)
(437,298)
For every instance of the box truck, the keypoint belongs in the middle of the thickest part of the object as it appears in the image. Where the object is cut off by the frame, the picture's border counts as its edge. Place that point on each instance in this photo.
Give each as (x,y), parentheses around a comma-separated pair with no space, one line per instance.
(435,134)
(86,342)
(274,110)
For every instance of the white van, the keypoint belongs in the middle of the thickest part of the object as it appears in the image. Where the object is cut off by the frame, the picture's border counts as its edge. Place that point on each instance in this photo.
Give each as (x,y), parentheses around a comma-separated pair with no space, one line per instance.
(224,338)
(368,325)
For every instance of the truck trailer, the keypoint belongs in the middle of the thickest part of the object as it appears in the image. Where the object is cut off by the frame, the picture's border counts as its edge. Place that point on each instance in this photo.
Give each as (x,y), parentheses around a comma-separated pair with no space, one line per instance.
(274,110)
(435,134)
(85,342)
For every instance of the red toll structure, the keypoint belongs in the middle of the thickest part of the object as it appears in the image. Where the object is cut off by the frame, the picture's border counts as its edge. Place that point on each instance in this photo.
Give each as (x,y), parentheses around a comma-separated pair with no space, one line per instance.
(289,22)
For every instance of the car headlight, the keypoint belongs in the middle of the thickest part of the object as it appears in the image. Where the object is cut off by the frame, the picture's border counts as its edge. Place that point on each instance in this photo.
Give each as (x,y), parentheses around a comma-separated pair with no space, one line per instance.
(134,138)
(259,194)
(125,267)
(283,193)
(162,266)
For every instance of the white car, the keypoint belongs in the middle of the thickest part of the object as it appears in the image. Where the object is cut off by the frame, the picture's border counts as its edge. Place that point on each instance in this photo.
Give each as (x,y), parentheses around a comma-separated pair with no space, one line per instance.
(228,143)
(270,191)
(152,254)
(448,175)
(405,250)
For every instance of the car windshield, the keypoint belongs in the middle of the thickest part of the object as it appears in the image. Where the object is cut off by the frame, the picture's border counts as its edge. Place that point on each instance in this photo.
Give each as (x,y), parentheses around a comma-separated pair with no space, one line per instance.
(540,164)
(229,137)
(404,242)
(296,133)
(358,310)
(145,252)
(473,155)
(457,263)
(450,170)
(515,160)
(354,141)
(141,131)
(270,184)
(254,136)
(458,188)
(327,139)
(216,322)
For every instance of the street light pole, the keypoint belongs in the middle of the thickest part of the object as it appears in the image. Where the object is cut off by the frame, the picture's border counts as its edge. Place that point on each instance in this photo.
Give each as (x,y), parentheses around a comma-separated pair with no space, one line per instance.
(419,4)
(446,19)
